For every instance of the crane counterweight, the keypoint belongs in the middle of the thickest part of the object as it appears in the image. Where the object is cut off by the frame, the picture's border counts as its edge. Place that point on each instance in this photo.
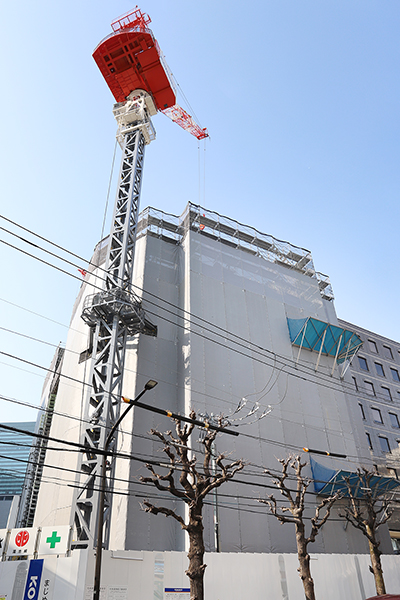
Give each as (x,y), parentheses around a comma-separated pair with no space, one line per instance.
(130,59)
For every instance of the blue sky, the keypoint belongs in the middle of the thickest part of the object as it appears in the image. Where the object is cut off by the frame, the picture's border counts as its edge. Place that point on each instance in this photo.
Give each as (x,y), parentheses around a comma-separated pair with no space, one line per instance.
(301,99)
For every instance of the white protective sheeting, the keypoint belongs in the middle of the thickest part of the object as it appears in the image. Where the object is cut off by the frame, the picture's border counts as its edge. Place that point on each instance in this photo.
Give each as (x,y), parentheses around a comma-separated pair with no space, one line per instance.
(146,575)
(221,314)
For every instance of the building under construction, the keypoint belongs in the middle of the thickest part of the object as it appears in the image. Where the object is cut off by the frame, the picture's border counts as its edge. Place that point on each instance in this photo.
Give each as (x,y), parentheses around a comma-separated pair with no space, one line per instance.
(230,322)
(235,313)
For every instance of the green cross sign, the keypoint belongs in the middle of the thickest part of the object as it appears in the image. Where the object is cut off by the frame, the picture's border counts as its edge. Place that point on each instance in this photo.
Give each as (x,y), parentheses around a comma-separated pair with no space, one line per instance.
(53,539)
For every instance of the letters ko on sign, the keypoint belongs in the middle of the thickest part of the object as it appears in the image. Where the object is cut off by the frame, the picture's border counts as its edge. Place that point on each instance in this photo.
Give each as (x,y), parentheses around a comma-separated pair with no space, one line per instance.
(33,580)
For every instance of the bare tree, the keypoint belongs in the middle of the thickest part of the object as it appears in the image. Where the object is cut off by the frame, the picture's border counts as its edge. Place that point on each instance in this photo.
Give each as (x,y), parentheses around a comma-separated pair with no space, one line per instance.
(192,486)
(294,513)
(367,511)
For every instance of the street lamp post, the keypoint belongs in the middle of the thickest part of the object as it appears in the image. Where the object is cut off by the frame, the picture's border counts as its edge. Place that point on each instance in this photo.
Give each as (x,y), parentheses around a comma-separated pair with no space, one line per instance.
(100,517)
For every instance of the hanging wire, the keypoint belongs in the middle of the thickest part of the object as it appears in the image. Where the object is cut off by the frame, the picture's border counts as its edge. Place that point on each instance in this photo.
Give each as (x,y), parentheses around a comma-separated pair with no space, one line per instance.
(204,174)
(199,167)
(185,99)
(109,189)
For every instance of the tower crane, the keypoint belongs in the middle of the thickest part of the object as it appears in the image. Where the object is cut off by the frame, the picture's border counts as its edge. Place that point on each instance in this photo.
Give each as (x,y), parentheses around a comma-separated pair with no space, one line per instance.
(135,70)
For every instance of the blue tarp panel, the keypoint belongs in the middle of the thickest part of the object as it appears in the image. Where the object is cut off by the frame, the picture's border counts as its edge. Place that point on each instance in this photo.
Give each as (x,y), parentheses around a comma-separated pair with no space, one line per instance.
(328,482)
(321,475)
(309,333)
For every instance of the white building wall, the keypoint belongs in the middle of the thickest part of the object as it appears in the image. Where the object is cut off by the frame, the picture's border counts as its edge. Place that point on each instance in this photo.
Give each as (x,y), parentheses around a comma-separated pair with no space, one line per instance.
(196,367)
(146,575)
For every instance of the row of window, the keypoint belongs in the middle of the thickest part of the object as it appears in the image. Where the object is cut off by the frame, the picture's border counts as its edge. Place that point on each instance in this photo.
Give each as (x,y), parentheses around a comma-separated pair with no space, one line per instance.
(387,351)
(377,416)
(384,392)
(383,441)
(379,369)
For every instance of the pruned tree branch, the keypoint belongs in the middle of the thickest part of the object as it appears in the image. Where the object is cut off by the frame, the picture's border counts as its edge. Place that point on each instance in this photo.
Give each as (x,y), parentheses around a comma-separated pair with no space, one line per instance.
(296,501)
(184,480)
(367,510)
(317,521)
(155,510)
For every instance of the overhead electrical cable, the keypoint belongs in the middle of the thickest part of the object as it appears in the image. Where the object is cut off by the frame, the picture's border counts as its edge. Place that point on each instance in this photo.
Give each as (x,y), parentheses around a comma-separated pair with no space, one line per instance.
(286,364)
(132,371)
(243,434)
(225,333)
(258,438)
(146,460)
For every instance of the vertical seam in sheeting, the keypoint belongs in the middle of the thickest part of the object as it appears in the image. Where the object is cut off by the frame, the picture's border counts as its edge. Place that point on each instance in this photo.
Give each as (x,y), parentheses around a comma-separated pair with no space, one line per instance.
(282,571)
(158,577)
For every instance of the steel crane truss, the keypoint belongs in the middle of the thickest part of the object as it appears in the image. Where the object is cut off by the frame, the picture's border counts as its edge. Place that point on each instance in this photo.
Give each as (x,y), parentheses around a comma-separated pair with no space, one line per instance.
(112,314)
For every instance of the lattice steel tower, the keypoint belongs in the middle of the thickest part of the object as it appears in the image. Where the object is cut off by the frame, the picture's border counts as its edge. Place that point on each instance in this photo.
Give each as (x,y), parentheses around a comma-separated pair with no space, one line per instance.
(133,66)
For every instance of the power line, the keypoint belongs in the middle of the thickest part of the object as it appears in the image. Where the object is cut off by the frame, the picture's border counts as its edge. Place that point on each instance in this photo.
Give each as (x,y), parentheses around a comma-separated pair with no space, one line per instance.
(290,363)
(146,460)
(243,434)
(128,370)
(286,365)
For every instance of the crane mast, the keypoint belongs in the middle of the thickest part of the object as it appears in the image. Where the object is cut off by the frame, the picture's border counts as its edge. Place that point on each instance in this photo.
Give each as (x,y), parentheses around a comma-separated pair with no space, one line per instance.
(136,73)
(113,314)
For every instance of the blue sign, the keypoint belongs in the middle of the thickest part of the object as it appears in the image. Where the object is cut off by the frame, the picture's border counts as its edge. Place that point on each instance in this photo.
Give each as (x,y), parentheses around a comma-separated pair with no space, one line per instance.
(33,581)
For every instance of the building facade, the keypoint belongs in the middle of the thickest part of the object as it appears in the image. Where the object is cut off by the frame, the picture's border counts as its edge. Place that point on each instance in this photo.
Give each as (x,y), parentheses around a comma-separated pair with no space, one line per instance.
(15,450)
(235,311)
(37,457)
(375,374)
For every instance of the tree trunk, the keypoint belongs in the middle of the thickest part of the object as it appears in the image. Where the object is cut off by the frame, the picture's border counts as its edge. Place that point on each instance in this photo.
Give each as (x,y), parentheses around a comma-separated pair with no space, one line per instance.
(196,568)
(304,562)
(376,564)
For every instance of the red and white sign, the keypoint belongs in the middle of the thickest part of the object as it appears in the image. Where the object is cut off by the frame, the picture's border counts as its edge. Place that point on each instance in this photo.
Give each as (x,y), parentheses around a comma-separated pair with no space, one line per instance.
(22,542)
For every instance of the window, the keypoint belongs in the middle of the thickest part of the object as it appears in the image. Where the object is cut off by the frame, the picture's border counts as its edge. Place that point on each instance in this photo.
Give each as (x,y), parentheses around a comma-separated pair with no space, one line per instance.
(363,363)
(395,374)
(379,369)
(384,442)
(369,388)
(387,352)
(362,410)
(372,346)
(355,383)
(376,415)
(369,441)
(395,541)
(386,393)
(394,420)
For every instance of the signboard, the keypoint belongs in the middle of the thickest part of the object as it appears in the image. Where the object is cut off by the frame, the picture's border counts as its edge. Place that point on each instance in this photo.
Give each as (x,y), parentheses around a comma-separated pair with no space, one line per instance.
(33,580)
(22,542)
(117,592)
(89,593)
(177,593)
(112,592)
(54,540)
